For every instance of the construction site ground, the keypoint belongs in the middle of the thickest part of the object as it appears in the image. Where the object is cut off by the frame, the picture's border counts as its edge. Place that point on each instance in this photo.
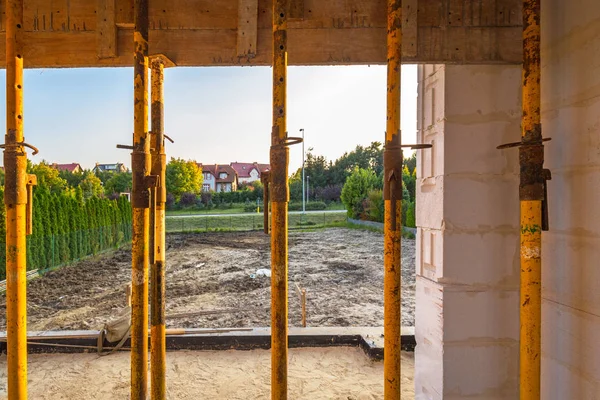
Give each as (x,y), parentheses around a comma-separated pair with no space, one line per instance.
(218,275)
(341,373)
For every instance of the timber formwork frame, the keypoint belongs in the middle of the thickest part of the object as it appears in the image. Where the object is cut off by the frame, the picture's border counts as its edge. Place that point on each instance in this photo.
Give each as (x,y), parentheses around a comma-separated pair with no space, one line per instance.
(358,41)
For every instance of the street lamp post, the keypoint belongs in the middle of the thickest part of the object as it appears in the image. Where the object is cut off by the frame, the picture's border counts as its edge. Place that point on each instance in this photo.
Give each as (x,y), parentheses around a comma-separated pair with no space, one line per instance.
(307,186)
(303,192)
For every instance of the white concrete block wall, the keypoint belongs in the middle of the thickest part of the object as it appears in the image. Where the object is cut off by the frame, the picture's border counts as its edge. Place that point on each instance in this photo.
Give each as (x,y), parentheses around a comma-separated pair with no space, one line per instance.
(468,218)
(571,249)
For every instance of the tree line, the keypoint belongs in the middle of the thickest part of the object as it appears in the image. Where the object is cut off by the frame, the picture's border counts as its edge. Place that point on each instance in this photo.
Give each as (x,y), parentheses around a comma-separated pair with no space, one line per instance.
(72,218)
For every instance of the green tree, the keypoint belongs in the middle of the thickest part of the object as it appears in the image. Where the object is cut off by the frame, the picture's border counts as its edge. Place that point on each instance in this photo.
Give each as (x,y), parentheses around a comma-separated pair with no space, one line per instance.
(375,206)
(409,181)
(91,185)
(104,175)
(73,179)
(118,183)
(48,177)
(410,215)
(183,177)
(356,189)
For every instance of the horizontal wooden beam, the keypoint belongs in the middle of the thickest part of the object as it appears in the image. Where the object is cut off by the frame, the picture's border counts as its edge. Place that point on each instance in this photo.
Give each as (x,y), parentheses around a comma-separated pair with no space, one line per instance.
(247,28)
(208,47)
(86,33)
(106,28)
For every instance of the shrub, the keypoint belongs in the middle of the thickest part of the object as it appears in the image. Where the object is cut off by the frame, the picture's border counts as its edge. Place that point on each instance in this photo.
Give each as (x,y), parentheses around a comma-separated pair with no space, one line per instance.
(170,200)
(410,215)
(188,199)
(375,206)
(356,189)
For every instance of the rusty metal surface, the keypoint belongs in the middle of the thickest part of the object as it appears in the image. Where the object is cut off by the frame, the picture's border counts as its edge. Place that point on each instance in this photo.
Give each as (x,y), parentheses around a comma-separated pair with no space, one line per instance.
(158,388)
(140,158)
(279,206)
(31,182)
(15,200)
(392,157)
(531,193)
(265,178)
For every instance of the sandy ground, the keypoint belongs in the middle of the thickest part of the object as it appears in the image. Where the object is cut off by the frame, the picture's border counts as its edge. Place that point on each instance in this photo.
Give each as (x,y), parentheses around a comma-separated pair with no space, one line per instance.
(331,374)
(341,269)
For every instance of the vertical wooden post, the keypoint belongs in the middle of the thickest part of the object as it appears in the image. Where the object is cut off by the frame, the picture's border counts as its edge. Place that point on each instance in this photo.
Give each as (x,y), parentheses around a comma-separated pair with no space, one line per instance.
(279,207)
(15,200)
(140,198)
(392,159)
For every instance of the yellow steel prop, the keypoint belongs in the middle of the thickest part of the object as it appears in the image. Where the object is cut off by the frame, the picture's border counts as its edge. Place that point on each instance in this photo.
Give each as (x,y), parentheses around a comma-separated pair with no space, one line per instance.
(531,155)
(279,207)
(140,198)
(393,207)
(266,187)
(15,200)
(157,236)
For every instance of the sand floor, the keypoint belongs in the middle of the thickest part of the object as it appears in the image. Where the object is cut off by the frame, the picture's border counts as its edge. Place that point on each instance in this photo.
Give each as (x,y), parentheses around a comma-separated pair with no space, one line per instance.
(314,373)
(341,270)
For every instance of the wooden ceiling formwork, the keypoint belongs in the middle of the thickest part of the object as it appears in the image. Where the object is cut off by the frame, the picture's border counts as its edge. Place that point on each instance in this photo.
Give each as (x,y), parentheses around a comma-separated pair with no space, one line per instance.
(99,33)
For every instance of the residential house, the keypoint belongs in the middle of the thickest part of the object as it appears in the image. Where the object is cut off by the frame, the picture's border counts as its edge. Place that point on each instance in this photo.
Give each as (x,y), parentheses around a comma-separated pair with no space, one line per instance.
(218,178)
(118,167)
(249,172)
(73,167)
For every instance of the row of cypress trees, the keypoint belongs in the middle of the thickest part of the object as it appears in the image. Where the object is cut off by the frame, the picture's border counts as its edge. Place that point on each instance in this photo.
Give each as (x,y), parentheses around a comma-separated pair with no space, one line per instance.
(67,227)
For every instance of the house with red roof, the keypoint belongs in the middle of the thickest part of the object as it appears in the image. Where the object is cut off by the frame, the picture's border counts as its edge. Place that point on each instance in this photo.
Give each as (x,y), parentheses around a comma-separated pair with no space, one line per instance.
(73,167)
(218,178)
(249,172)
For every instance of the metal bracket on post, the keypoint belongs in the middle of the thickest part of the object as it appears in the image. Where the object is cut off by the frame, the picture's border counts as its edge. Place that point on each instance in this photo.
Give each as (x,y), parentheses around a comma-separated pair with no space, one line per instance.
(31,182)
(279,156)
(545,217)
(393,173)
(16,185)
(151,149)
(535,185)
(152,182)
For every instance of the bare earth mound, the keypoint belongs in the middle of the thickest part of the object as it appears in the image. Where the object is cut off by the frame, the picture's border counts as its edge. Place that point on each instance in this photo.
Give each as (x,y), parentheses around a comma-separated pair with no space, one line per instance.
(314,374)
(341,269)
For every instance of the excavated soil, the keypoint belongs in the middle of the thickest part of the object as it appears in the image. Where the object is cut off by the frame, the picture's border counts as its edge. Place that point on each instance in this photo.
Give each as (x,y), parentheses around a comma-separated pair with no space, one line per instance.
(341,270)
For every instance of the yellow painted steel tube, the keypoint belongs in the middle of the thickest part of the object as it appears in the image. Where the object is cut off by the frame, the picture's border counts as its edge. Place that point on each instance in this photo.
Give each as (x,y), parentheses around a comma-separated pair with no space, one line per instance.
(158,346)
(140,204)
(15,199)
(393,207)
(531,157)
(279,207)
(266,188)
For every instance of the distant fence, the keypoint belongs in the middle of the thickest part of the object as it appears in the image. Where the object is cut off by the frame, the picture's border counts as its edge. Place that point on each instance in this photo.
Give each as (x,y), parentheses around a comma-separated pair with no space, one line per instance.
(51,251)
(379,225)
(248,222)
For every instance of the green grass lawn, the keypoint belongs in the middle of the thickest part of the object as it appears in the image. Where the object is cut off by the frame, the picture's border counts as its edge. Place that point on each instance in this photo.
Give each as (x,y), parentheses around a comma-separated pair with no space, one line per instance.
(236,209)
(248,222)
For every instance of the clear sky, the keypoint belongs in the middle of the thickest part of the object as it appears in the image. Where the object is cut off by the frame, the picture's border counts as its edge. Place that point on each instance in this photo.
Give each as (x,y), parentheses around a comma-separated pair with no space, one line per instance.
(214,114)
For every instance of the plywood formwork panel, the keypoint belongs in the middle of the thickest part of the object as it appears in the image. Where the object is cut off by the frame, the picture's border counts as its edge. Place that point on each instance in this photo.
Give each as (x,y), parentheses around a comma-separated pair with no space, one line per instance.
(71,33)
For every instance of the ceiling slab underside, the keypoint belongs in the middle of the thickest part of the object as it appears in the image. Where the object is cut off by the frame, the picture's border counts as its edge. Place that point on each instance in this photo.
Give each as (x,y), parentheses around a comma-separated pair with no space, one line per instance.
(99,33)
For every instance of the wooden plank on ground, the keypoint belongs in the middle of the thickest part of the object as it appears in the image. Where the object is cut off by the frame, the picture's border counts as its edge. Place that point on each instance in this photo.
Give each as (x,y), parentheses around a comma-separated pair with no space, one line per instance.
(106,29)
(247,33)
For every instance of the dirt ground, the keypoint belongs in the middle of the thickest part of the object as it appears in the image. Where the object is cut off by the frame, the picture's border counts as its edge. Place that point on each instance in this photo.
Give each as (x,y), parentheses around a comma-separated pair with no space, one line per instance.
(314,373)
(341,270)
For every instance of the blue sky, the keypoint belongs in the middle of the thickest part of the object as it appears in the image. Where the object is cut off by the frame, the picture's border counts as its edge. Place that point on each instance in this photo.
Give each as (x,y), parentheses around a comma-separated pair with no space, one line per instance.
(213,114)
